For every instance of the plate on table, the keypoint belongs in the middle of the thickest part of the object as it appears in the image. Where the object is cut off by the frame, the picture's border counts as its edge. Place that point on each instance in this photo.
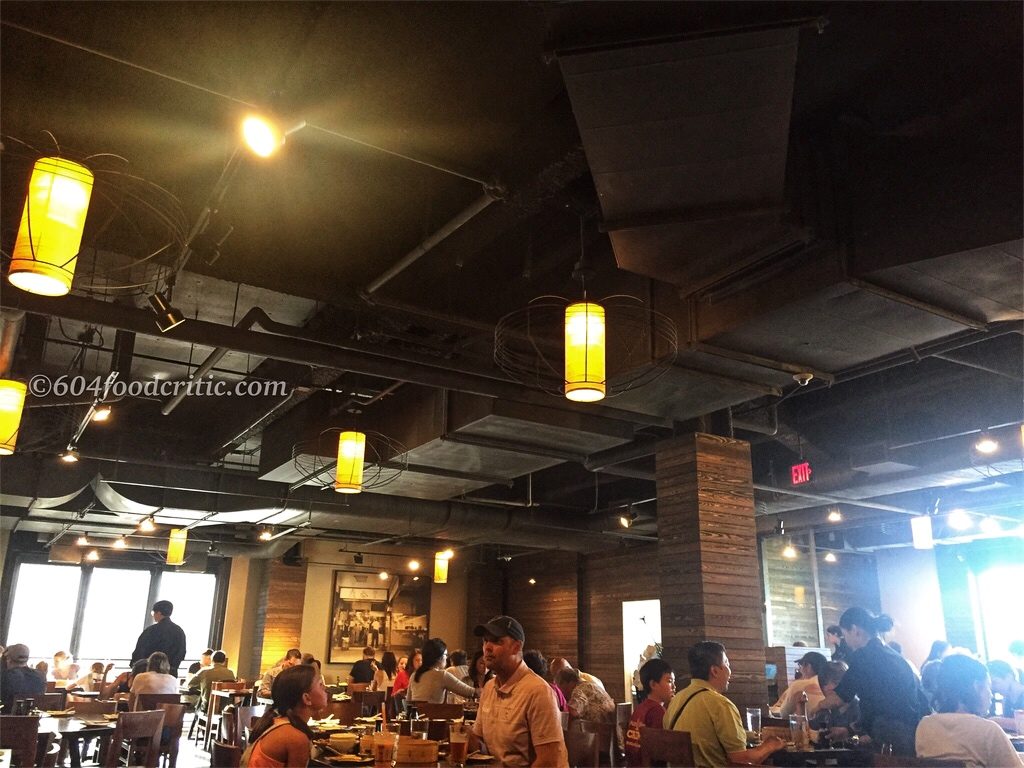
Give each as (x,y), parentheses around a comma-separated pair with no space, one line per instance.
(348,759)
(60,712)
(479,757)
(111,716)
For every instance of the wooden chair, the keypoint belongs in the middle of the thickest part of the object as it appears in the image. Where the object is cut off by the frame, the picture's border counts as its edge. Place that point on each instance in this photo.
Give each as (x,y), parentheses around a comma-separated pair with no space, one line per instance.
(19,733)
(438,711)
(583,743)
(226,755)
(235,720)
(209,721)
(345,712)
(52,700)
(138,735)
(93,708)
(174,722)
(674,748)
(895,761)
(51,685)
(354,688)
(151,701)
(370,700)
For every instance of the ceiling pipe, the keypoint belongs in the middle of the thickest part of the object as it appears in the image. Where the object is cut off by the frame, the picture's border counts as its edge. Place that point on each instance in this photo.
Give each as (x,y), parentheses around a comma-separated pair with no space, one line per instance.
(833,500)
(12,321)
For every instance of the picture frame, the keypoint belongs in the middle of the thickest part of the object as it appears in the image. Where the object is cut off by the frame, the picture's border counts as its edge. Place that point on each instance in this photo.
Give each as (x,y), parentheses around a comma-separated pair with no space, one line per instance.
(388,615)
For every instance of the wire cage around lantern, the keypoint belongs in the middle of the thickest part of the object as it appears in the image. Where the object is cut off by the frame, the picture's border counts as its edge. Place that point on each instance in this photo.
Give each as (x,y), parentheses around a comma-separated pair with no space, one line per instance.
(640,344)
(384,459)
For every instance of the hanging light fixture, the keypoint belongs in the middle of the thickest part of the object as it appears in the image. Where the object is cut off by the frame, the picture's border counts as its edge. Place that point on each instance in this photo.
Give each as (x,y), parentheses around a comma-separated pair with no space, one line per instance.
(584,352)
(50,235)
(147,524)
(441,560)
(835,516)
(176,546)
(12,404)
(987,445)
(348,477)
(167,316)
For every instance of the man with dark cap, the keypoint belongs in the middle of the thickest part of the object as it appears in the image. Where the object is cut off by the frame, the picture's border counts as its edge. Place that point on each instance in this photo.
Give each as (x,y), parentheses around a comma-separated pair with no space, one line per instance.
(164,636)
(518,719)
(18,681)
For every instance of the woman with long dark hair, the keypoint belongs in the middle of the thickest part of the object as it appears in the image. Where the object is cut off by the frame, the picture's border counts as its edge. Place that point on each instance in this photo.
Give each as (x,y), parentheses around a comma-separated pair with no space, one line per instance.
(960,731)
(281,737)
(386,673)
(891,699)
(479,672)
(431,682)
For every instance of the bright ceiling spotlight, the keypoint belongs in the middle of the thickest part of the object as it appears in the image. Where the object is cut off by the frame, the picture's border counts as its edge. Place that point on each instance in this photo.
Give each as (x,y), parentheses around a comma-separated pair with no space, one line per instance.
(789,552)
(986,445)
(83,540)
(120,542)
(835,516)
(533,581)
(959,520)
(261,135)
(167,316)
(628,519)
(990,526)
(415,578)
(50,235)
(70,455)
(414,565)
(101,413)
(12,404)
(92,556)
(266,535)
(830,557)
(147,525)
(383,576)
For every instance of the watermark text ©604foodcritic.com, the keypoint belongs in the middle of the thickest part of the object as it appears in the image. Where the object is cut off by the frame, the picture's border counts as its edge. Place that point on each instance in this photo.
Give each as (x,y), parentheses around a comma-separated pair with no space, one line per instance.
(78,386)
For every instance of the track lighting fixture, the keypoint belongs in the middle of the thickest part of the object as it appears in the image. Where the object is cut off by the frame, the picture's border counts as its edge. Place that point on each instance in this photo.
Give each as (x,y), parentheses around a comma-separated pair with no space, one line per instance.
(266,534)
(101,413)
(147,525)
(167,317)
(120,542)
(70,455)
(92,556)
(83,540)
(357,558)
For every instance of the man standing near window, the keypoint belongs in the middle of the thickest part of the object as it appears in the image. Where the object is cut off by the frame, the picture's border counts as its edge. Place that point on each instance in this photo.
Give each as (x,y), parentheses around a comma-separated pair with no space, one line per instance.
(164,636)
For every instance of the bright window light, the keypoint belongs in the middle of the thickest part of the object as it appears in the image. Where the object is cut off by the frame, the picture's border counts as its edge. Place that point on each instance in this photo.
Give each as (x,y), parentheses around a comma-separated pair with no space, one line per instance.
(45,631)
(115,610)
(990,526)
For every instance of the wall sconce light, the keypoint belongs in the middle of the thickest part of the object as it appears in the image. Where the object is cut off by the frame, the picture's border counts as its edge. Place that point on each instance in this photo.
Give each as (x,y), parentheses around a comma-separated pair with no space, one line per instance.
(584,352)
(50,235)
(12,405)
(167,317)
(348,476)
(176,546)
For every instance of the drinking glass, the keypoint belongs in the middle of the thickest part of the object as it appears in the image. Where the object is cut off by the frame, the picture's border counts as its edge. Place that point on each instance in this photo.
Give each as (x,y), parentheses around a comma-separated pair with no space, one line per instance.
(754,721)
(419,728)
(798,731)
(385,746)
(458,743)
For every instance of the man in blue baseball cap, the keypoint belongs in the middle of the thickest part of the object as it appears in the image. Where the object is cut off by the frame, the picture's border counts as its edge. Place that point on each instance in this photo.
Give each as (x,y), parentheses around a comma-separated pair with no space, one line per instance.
(518,720)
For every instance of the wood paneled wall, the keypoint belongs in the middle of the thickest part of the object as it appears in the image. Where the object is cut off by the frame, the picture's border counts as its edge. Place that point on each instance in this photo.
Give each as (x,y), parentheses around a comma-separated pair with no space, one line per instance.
(484,598)
(607,580)
(707,556)
(549,609)
(282,620)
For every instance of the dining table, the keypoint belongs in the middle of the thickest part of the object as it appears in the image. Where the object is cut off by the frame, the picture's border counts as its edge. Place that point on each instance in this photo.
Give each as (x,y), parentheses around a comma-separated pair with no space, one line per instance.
(794,757)
(243,696)
(71,730)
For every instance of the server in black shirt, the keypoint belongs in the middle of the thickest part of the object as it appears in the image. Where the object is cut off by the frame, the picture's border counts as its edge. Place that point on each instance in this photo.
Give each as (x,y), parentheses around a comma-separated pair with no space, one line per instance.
(164,636)
(892,701)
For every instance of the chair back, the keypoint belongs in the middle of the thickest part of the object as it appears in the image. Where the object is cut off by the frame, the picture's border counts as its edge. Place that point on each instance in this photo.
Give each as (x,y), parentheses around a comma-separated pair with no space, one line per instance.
(137,731)
(583,740)
(216,703)
(51,685)
(674,748)
(245,717)
(370,699)
(91,708)
(52,700)
(345,712)
(151,701)
(18,733)
(896,761)
(357,687)
(226,755)
(174,722)
(438,711)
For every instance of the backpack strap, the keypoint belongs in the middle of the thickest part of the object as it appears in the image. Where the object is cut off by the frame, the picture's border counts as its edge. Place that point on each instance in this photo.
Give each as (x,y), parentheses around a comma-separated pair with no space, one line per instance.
(675,718)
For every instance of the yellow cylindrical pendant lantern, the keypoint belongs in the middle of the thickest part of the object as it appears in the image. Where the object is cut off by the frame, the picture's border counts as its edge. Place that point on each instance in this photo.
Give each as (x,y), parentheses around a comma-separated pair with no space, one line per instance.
(50,234)
(348,477)
(441,566)
(176,546)
(12,403)
(584,352)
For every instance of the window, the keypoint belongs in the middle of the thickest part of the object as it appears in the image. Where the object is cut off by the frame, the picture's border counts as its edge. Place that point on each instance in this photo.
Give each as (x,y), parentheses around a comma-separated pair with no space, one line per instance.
(43,609)
(116,610)
(192,595)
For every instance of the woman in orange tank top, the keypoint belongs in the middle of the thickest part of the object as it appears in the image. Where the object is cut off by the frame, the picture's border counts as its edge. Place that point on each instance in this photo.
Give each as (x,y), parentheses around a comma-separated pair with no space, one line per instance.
(281,737)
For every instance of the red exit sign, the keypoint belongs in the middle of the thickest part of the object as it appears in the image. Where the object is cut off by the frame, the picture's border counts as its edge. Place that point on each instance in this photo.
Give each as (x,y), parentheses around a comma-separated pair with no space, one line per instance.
(800,473)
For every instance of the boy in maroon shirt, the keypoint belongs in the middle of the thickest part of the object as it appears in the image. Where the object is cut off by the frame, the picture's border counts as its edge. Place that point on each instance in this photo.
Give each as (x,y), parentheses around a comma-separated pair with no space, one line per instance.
(659,686)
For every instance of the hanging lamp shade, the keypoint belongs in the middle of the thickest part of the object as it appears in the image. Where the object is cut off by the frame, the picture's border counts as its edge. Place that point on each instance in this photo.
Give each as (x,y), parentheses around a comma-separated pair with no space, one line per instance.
(12,403)
(584,352)
(441,560)
(348,477)
(50,234)
(176,546)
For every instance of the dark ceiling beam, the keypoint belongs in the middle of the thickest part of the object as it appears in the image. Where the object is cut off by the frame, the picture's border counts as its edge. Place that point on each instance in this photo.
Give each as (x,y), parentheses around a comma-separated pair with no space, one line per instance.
(958,360)
(440,373)
(925,306)
(821,498)
(758,360)
(691,216)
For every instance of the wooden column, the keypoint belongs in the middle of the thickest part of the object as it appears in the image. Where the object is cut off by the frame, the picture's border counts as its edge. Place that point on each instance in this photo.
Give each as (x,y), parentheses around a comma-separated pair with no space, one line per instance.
(707,558)
(282,627)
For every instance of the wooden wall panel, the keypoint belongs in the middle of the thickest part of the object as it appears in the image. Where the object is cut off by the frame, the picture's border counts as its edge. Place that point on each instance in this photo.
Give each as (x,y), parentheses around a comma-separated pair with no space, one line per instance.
(607,581)
(707,556)
(282,622)
(794,614)
(548,610)
(484,599)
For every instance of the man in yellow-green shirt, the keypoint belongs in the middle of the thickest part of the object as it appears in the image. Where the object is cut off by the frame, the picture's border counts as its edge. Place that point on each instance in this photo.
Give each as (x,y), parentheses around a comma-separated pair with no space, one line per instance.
(713,721)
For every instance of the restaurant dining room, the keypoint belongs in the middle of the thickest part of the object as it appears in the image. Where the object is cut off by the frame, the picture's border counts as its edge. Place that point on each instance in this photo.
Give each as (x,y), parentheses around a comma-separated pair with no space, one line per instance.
(498,383)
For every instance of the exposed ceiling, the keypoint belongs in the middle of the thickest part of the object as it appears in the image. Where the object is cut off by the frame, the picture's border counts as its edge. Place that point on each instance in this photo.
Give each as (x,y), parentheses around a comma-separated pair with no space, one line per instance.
(831,189)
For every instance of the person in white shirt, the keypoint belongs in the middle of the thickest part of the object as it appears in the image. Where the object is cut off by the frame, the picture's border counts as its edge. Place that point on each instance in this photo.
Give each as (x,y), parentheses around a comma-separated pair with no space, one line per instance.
(386,673)
(156,678)
(810,665)
(960,731)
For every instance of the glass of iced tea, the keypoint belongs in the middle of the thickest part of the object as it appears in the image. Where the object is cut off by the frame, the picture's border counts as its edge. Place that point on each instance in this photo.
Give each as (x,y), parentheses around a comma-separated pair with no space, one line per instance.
(385,746)
(458,743)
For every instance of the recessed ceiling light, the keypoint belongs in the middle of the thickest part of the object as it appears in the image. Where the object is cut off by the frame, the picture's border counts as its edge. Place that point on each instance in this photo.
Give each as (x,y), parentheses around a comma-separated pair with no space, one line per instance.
(959,520)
